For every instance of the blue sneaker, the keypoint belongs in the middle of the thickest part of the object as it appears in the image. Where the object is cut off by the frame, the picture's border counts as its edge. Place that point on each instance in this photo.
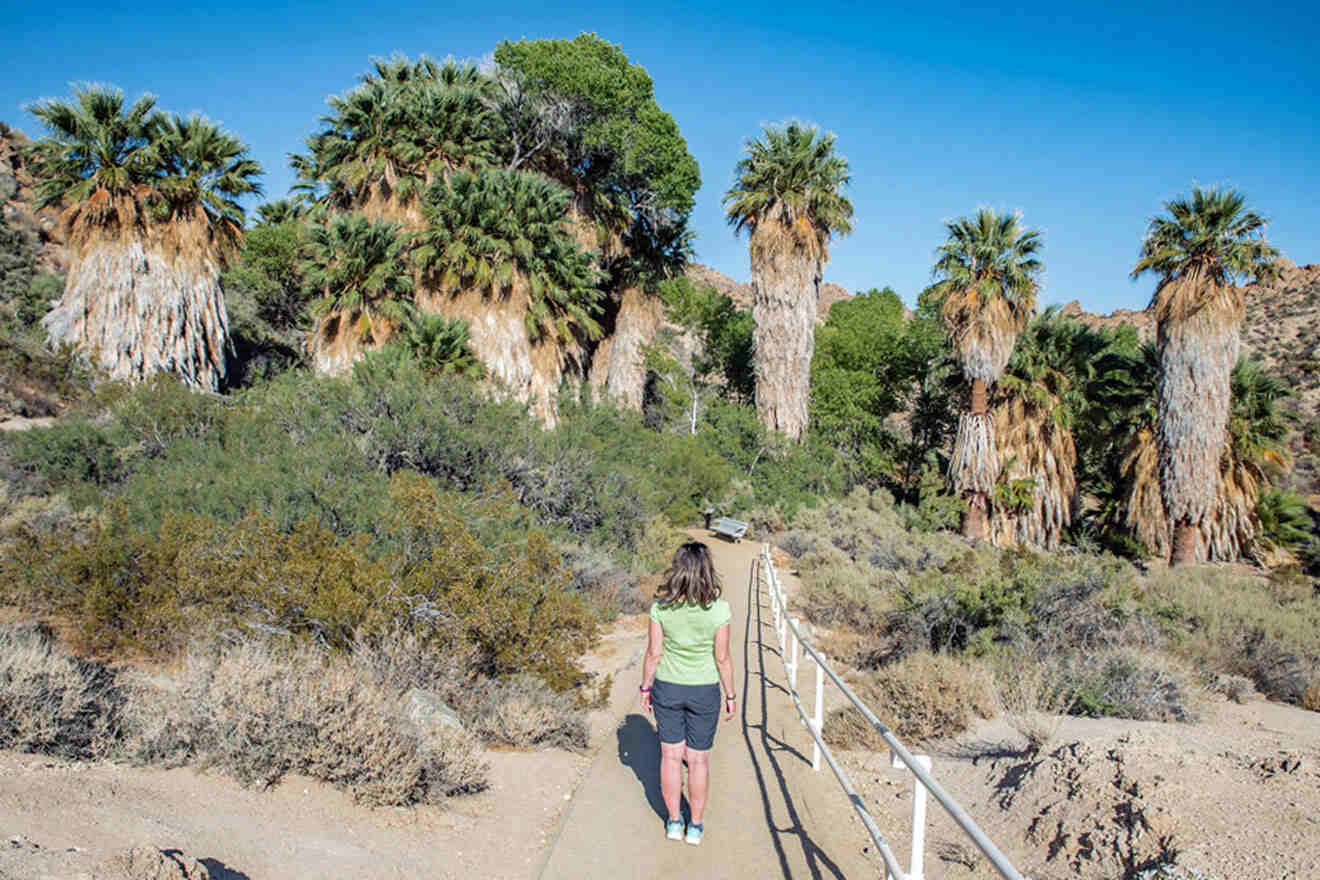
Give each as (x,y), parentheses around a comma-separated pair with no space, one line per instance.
(694,834)
(674,829)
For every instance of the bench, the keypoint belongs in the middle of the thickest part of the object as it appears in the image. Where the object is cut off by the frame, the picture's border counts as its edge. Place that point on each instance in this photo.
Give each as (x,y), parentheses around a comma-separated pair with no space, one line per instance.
(733,529)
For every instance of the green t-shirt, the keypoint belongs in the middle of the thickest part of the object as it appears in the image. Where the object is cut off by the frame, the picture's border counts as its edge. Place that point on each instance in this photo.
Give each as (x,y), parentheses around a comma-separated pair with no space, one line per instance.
(689,647)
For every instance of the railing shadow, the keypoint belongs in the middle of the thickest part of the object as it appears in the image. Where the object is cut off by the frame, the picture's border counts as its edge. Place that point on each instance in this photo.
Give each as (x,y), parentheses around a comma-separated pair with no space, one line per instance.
(819,865)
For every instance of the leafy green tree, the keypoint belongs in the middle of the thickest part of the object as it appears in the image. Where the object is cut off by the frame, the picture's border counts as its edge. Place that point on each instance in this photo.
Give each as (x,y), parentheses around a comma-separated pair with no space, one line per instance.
(987,274)
(498,231)
(788,197)
(133,182)
(724,356)
(1199,251)
(609,133)
(861,374)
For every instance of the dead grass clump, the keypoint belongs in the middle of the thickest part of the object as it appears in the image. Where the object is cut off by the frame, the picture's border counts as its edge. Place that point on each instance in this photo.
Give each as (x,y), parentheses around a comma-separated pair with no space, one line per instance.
(53,703)
(521,711)
(1033,702)
(260,713)
(1311,699)
(922,697)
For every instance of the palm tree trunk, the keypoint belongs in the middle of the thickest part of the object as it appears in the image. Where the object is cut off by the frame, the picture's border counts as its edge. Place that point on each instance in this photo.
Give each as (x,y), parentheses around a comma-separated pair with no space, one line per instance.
(639,317)
(786,290)
(1186,537)
(135,311)
(1198,340)
(975,463)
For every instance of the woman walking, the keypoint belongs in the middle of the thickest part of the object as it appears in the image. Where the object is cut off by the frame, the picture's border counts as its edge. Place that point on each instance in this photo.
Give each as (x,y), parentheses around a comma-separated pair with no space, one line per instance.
(687,659)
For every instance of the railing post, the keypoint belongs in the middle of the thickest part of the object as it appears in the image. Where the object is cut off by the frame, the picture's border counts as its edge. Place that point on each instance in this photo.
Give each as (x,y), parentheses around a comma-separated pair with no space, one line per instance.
(793,654)
(819,720)
(916,869)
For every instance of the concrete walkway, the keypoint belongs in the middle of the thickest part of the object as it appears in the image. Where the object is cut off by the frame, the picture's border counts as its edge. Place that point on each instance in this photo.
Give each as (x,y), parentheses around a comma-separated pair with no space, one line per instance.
(769,814)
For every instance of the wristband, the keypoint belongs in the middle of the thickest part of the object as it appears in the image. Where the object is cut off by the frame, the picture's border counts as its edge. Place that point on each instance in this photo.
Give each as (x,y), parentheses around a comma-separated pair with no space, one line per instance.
(644,690)
(733,697)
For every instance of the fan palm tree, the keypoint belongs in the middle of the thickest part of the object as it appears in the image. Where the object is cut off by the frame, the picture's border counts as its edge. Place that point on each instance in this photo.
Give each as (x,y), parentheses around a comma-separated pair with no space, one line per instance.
(987,275)
(500,230)
(441,345)
(1200,251)
(497,251)
(788,197)
(405,125)
(150,206)
(1252,455)
(1035,405)
(361,268)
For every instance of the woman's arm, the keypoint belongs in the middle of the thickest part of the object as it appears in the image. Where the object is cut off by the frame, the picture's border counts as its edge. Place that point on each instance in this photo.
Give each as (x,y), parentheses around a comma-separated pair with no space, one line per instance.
(724,663)
(655,649)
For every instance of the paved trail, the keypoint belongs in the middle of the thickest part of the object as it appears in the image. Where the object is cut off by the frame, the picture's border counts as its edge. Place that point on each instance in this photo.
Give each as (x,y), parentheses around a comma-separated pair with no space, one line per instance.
(769,814)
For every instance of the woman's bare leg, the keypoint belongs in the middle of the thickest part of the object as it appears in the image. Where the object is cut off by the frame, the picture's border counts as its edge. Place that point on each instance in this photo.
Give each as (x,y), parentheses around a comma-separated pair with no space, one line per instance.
(698,781)
(671,777)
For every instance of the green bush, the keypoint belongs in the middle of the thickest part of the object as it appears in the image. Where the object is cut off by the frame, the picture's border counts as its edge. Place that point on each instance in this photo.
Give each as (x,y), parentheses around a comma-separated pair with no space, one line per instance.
(68,452)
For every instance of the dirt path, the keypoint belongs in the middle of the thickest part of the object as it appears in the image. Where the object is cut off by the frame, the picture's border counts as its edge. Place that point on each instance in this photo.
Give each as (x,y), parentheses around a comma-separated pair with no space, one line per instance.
(769,814)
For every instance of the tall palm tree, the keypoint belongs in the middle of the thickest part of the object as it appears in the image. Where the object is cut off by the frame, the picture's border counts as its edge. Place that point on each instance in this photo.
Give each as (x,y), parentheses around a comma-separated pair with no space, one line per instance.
(1200,251)
(150,206)
(987,273)
(788,197)
(1035,405)
(361,268)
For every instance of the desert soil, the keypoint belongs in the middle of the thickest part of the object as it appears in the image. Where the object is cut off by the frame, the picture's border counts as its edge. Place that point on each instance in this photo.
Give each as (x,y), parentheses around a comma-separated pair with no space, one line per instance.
(1235,795)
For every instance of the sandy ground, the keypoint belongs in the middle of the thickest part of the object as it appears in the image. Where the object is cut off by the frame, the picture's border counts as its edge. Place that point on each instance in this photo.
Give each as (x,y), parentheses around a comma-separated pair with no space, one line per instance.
(1236,795)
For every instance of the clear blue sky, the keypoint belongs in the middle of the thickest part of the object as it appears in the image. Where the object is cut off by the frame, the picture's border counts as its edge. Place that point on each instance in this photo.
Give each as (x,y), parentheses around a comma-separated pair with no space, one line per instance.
(1084,119)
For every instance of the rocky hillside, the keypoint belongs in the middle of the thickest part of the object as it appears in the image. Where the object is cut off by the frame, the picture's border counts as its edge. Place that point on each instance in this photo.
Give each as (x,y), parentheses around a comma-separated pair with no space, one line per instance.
(741,293)
(16,199)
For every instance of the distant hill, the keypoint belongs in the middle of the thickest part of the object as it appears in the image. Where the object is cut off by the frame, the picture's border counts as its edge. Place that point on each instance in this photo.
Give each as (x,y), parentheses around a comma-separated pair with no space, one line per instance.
(741,294)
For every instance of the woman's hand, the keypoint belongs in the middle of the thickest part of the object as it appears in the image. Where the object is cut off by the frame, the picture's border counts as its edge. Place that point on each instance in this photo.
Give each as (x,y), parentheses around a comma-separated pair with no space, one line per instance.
(646,700)
(730,707)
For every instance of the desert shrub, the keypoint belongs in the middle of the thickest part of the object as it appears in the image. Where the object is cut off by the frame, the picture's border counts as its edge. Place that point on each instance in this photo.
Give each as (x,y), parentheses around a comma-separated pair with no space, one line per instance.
(1268,631)
(53,703)
(868,528)
(447,567)
(260,713)
(1127,683)
(607,584)
(68,452)
(987,597)
(521,711)
(838,592)
(1032,697)
(922,697)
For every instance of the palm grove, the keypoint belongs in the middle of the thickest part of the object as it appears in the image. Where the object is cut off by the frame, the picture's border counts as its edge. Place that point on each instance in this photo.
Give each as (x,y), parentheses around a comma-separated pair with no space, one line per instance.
(527,225)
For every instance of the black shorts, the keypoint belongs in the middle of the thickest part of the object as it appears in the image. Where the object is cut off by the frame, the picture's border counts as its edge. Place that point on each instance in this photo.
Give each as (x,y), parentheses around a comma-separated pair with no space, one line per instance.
(686,713)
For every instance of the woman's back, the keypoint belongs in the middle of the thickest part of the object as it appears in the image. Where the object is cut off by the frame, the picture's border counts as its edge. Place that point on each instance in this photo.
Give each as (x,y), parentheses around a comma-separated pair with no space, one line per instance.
(689,642)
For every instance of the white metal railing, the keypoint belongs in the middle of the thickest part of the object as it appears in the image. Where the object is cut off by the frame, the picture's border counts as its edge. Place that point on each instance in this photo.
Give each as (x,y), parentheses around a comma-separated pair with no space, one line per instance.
(790,638)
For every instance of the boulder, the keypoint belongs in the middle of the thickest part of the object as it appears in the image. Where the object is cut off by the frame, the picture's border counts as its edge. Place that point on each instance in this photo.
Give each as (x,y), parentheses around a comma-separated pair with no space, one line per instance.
(428,712)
